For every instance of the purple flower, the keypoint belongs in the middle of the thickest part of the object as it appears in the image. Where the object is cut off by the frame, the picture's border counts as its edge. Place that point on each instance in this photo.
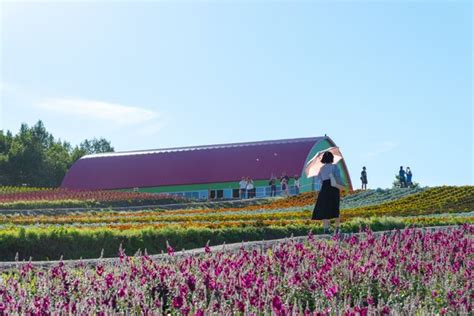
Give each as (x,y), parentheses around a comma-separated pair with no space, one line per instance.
(191,282)
(199,312)
(99,270)
(109,280)
(277,304)
(178,302)
(122,292)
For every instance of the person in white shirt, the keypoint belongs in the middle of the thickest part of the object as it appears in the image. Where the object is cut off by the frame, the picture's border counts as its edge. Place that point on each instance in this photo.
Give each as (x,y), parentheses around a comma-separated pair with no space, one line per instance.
(297,184)
(284,186)
(243,187)
(250,188)
(328,201)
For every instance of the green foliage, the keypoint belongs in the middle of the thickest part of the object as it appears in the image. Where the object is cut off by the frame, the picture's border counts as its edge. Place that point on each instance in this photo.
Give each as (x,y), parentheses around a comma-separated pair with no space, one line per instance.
(33,157)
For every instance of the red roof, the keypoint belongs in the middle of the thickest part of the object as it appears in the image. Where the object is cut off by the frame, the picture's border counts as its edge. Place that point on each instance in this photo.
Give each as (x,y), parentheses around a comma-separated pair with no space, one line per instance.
(190,165)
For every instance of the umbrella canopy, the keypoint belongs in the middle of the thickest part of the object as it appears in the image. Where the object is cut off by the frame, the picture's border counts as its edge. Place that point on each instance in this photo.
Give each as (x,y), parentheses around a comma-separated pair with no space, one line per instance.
(314,165)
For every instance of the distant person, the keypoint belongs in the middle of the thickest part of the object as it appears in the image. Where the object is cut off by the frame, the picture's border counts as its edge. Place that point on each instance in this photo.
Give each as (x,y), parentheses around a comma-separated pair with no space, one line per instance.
(243,187)
(401,175)
(409,177)
(363,178)
(284,175)
(297,184)
(327,204)
(273,187)
(284,186)
(250,188)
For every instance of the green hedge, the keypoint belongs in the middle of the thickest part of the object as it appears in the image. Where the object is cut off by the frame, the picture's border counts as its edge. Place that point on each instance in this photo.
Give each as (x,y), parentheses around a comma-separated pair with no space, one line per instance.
(72,243)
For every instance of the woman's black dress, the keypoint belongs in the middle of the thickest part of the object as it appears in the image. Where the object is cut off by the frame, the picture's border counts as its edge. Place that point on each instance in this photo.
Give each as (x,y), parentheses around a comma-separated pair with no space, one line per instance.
(327,204)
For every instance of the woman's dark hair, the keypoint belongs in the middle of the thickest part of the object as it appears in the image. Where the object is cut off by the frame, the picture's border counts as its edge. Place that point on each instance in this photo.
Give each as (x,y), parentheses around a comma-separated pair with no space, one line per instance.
(328,157)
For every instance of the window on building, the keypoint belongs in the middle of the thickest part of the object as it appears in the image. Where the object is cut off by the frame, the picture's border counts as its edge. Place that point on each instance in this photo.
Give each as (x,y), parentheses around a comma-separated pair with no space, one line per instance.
(235,193)
(203,195)
(227,193)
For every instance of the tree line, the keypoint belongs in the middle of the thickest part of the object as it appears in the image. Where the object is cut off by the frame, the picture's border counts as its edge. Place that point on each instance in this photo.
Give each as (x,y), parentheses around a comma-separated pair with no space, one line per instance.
(33,157)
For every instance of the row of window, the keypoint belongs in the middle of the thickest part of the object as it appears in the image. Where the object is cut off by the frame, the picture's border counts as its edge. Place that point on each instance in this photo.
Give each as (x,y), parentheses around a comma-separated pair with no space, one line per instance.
(229,193)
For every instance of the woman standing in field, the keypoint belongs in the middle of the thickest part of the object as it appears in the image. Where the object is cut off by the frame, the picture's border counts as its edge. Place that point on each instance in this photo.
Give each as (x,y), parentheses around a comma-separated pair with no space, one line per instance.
(327,204)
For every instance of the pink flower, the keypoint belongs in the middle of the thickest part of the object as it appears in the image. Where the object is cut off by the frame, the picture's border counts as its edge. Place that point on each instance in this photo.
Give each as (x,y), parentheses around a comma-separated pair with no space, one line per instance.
(385,311)
(241,306)
(178,302)
(99,270)
(199,312)
(122,292)
(331,292)
(169,249)
(191,282)
(395,280)
(299,246)
(277,304)
(109,280)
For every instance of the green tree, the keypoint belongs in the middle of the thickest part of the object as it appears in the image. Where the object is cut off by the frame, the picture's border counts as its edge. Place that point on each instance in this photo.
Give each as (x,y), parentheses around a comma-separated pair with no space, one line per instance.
(34,157)
(396,183)
(57,162)
(93,146)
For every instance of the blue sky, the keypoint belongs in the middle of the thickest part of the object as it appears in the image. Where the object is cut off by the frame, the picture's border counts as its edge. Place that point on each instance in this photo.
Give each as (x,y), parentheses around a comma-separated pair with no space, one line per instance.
(390,82)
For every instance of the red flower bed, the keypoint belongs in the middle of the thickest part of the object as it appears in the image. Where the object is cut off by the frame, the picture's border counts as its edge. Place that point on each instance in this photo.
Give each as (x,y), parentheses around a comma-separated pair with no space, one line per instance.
(82,195)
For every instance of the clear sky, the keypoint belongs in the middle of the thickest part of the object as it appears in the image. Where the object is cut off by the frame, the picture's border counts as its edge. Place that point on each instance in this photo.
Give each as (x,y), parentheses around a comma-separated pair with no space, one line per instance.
(389,81)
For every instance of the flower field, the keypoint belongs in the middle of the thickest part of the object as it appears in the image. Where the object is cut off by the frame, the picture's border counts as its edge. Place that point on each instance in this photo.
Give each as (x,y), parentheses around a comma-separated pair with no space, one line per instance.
(10,189)
(32,198)
(378,196)
(408,273)
(85,234)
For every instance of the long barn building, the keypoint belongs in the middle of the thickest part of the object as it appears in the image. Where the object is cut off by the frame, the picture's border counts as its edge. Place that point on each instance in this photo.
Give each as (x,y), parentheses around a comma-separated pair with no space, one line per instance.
(201,172)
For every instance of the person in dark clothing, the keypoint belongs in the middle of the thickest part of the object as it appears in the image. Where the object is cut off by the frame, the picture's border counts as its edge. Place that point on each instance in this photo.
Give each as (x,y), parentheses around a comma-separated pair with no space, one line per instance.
(327,204)
(273,187)
(363,178)
(401,175)
(284,181)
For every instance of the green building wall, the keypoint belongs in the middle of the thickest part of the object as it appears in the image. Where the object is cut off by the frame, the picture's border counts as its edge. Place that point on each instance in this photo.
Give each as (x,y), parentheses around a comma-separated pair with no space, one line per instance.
(307,184)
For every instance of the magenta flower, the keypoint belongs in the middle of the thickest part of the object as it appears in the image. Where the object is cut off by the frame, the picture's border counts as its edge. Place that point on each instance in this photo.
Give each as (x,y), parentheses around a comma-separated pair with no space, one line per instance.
(178,302)
(277,304)
(191,282)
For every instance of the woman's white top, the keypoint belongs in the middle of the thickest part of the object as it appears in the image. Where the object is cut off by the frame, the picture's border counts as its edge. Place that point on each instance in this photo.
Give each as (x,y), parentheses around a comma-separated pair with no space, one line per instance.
(243,184)
(250,186)
(326,170)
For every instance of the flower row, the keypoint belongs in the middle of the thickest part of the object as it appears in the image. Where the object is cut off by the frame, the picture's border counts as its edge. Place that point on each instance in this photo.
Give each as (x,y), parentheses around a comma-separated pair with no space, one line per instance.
(431,201)
(410,272)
